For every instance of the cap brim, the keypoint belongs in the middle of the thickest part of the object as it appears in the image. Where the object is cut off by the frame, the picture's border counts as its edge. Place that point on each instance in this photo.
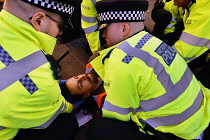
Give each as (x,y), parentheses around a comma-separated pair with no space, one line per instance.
(102,26)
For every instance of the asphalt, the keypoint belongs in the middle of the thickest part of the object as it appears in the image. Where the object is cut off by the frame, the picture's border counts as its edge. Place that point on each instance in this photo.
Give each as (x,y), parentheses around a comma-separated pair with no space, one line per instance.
(74,63)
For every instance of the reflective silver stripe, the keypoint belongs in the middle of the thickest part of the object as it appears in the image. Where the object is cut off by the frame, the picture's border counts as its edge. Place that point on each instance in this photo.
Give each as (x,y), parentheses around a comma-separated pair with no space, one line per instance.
(90,29)
(190,58)
(20,68)
(64,108)
(173,19)
(171,25)
(172,91)
(87,70)
(186,58)
(124,111)
(178,118)
(200,137)
(89,19)
(47,123)
(94,2)
(159,70)
(194,40)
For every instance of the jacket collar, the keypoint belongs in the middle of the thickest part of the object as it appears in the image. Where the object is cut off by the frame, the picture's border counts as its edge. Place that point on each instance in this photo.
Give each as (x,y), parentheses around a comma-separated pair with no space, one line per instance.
(43,41)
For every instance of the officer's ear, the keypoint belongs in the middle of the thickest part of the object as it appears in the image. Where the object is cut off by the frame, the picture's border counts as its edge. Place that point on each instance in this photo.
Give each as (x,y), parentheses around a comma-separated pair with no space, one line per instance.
(37,20)
(125,29)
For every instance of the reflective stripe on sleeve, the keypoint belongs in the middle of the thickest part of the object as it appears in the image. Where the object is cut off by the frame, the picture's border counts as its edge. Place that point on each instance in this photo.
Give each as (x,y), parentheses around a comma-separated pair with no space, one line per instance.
(171,25)
(123,111)
(20,68)
(178,118)
(94,2)
(90,29)
(47,123)
(89,19)
(194,40)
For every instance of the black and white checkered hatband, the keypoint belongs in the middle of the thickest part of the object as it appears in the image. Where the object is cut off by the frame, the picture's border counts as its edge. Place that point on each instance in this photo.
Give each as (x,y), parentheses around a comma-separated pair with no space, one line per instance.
(115,16)
(52,6)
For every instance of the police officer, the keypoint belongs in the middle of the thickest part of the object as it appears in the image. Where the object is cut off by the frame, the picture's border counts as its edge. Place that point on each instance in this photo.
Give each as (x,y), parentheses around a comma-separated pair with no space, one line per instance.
(90,24)
(146,81)
(193,43)
(168,21)
(32,106)
(194,39)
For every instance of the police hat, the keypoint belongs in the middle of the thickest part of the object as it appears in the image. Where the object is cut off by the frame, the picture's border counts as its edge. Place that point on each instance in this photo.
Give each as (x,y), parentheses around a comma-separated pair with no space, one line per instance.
(110,11)
(64,8)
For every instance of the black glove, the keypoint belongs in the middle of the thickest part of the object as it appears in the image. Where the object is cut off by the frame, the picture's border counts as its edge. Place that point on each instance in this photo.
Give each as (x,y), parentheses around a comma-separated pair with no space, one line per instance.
(158,5)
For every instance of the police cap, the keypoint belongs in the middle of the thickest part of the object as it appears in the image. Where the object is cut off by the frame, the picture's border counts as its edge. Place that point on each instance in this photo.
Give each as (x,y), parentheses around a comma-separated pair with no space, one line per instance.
(110,11)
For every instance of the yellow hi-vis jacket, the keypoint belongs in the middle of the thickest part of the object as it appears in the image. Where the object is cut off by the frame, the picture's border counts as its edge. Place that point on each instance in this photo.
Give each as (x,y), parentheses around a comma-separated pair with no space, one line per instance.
(147,81)
(177,15)
(90,23)
(29,94)
(195,38)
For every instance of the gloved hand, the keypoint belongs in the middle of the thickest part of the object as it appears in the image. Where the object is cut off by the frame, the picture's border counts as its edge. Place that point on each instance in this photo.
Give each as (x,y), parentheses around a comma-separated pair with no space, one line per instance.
(159,4)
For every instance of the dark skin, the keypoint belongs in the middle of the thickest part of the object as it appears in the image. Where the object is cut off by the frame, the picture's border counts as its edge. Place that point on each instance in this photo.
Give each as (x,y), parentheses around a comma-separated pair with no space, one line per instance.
(182,3)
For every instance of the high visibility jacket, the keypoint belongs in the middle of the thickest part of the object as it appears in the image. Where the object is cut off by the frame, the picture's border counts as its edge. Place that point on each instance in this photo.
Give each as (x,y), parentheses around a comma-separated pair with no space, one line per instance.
(30,96)
(147,81)
(177,15)
(90,23)
(195,38)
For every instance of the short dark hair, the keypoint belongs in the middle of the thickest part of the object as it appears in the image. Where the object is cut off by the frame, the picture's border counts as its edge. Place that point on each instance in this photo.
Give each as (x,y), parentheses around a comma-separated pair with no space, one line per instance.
(89,105)
(67,94)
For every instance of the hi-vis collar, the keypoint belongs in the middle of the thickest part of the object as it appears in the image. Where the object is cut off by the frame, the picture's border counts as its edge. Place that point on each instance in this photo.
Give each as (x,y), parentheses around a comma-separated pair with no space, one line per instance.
(190,4)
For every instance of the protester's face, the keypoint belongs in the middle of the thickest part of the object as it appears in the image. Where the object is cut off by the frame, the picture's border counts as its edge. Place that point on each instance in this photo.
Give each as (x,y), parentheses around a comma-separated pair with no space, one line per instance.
(113,34)
(182,3)
(82,84)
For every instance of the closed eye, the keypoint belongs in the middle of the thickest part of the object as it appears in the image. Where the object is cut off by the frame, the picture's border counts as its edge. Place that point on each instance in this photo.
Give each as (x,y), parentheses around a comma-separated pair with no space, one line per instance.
(89,79)
(79,83)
